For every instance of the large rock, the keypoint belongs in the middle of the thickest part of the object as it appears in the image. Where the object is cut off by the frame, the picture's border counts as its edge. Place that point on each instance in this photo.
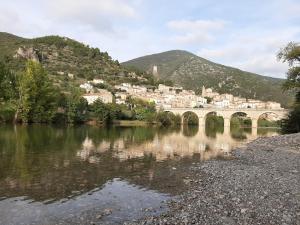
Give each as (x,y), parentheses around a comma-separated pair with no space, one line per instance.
(27,53)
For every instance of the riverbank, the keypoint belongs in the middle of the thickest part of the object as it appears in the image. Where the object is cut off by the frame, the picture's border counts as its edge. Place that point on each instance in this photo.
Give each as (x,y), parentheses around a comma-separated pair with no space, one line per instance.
(261,185)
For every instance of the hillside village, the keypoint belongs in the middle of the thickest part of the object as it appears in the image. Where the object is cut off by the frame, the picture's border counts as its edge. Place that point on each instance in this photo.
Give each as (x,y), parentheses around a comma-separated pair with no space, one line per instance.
(166,97)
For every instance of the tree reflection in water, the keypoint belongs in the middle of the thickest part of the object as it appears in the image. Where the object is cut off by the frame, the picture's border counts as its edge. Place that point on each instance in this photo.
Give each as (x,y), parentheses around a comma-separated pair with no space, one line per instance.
(53,163)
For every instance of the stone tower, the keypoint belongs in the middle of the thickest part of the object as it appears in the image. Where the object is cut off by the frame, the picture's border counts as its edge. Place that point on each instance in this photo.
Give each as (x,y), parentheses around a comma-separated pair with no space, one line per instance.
(155,70)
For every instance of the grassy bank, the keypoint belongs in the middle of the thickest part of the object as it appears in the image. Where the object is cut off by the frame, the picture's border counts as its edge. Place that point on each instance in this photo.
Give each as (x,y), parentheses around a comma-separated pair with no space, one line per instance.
(129,123)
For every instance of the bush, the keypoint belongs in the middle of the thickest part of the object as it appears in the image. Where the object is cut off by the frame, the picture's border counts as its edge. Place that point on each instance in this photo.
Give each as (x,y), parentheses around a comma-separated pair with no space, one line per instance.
(168,119)
(7,113)
(240,122)
(191,118)
(267,123)
(292,123)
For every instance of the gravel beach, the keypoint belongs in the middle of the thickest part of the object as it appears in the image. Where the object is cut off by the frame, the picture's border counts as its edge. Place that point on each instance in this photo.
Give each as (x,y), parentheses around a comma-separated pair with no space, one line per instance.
(259,185)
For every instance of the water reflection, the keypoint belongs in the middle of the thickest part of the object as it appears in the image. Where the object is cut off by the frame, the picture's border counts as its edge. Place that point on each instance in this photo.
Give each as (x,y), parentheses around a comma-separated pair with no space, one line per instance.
(124,199)
(50,164)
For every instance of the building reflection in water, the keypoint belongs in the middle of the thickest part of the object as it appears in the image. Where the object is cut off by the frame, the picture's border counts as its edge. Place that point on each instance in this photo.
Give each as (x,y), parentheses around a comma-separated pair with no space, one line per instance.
(52,163)
(187,143)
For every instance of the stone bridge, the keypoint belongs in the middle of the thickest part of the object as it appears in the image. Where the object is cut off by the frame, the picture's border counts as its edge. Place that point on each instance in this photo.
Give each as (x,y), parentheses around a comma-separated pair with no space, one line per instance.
(253,114)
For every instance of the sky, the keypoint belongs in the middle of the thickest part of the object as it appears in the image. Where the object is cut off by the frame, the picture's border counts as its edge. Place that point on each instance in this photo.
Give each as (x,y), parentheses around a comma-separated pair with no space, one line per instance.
(246,34)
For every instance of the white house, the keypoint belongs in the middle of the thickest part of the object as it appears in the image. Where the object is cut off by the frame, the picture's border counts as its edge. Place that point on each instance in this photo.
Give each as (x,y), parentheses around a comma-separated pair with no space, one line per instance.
(97,81)
(201,101)
(104,95)
(88,87)
(222,104)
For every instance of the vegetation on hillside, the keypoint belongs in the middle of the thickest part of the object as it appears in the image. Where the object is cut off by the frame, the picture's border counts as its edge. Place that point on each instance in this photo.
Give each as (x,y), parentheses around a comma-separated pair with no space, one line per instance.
(68,62)
(192,72)
(31,97)
(291,54)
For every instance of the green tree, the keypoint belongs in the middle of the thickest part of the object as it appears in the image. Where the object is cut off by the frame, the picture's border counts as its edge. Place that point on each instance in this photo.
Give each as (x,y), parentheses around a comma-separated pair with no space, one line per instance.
(142,110)
(292,123)
(37,95)
(190,118)
(76,107)
(8,93)
(8,84)
(291,54)
(209,100)
(168,119)
(105,113)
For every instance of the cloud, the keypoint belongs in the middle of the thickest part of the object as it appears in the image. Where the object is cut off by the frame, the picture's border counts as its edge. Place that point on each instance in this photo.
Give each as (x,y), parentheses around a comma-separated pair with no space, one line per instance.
(12,21)
(94,14)
(248,58)
(253,50)
(10,18)
(265,64)
(37,18)
(193,25)
(79,8)
(195,31)
(286,9)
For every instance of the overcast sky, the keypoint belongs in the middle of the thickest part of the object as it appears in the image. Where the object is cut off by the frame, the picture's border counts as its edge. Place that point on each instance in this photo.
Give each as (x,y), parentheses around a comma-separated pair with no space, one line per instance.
(242,33)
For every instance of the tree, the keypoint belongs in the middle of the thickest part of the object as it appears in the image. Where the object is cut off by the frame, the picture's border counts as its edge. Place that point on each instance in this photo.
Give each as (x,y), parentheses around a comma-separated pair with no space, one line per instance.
(291,54)
(8,93)
(191,118)
(76,107)
(209,100)
(168,119)
(37,95)
(8,84)
(143,110)
(105,113)
(292,123)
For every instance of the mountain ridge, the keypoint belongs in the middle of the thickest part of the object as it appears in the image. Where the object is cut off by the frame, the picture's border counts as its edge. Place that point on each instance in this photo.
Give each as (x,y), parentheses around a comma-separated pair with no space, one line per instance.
(192,72)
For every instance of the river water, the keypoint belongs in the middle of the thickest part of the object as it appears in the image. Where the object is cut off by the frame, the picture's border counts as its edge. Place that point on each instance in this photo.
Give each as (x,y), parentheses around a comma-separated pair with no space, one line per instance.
(90,175)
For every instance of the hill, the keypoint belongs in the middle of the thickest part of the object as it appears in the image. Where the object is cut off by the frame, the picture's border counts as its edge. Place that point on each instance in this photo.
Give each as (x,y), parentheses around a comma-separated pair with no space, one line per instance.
(191,72)
(66,60)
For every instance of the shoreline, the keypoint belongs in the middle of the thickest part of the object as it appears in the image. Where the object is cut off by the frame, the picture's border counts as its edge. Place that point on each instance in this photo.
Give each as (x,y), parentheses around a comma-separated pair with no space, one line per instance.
(261,185)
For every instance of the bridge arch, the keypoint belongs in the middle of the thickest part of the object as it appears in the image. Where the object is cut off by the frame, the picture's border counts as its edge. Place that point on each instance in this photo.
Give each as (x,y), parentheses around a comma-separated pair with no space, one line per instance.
(267,119)
(190,118)
(213,123)
(279,115)
(240,115)
(212,113)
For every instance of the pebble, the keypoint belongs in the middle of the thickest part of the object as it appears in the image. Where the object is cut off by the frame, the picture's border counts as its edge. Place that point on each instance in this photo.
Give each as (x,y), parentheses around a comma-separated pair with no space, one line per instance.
(259,186)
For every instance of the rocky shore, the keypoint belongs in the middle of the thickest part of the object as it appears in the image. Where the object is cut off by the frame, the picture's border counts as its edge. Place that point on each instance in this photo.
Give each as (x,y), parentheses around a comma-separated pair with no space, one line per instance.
(260,185)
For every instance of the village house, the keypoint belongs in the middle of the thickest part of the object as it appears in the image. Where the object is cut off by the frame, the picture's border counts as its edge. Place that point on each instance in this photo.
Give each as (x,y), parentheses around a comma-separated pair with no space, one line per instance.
(71,75)
(97,81)
(102,94)
(87,87)
(121,97)
(176,97)
(209,92)
(224,103)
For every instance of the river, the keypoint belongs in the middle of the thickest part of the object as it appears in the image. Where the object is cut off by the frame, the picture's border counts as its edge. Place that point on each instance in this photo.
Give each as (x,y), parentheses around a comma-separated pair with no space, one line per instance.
(91,175)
